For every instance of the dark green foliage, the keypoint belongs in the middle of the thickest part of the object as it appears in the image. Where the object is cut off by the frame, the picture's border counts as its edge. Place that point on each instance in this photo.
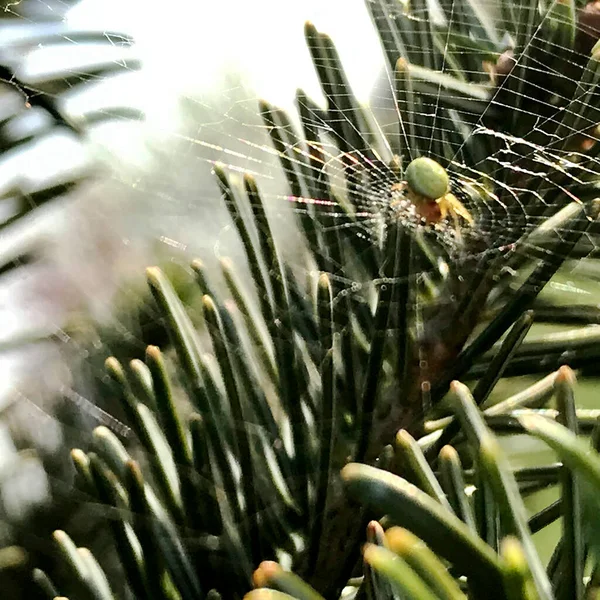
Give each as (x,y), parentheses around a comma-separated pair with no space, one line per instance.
(294,380)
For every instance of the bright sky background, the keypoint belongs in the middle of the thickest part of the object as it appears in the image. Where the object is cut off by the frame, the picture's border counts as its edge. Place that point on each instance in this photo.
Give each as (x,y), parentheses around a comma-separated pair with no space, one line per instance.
(187,45)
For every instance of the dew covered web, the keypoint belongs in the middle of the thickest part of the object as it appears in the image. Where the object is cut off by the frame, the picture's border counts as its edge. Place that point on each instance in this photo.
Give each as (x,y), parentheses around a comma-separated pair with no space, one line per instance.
(518,148)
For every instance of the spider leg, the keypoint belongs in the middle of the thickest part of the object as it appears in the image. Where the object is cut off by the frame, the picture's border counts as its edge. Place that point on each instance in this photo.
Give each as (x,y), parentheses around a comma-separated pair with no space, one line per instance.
(447,207)
(397,187)
(443,204)
(459,208)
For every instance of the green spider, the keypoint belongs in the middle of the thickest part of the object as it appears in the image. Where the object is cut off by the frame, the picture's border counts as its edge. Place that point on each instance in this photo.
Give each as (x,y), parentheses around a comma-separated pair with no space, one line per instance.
(427,186)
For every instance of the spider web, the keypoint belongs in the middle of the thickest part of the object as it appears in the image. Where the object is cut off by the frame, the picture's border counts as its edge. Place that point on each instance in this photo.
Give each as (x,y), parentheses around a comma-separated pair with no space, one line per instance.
(511,189)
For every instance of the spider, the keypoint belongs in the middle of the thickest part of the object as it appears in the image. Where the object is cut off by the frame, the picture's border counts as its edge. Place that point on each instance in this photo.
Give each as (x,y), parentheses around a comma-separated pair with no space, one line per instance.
(427,186)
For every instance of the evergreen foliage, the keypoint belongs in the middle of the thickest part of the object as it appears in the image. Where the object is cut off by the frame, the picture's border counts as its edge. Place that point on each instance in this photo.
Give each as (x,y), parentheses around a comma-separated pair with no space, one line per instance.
(298,382)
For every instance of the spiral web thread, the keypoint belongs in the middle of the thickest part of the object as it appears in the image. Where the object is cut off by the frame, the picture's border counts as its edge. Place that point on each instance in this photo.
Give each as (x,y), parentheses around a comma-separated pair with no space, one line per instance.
(510,191)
